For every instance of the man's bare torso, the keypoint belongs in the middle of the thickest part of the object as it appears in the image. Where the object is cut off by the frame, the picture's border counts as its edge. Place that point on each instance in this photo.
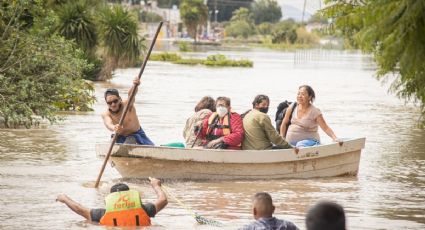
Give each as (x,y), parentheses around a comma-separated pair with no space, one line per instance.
(131,122)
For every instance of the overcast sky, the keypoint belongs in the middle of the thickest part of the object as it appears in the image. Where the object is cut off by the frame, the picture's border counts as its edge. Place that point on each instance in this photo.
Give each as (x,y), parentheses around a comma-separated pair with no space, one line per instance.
(311,5)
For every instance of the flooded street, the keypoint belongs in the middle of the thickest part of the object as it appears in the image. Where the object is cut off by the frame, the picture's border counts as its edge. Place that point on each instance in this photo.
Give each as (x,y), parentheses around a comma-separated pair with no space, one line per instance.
(388,193)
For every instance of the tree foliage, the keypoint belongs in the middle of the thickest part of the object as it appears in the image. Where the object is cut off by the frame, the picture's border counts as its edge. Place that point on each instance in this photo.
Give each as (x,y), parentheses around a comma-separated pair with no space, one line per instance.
(119,36)
(241,24)
(40,73)
(394,32)
(285,32)
(100,30)
(266,11)
(76,22)
(225,8)
(194,13)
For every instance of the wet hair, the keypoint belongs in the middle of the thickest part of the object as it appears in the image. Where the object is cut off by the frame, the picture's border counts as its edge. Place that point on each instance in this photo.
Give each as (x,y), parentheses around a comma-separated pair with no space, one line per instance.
(225,99)
(119,187)
(325,215)
(310,92)
(111,92)
(263,203)
(260,98)
(206,102)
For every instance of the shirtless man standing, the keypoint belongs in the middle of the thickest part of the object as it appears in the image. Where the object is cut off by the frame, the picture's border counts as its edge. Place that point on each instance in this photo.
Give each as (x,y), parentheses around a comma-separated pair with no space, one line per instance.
(131,125)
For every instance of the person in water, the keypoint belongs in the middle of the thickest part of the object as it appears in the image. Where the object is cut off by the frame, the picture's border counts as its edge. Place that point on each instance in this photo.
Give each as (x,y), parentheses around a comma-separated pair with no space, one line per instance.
(222,129)
(123,207)
(194,123)
(131,125)
(262,211)
(259,131)
(326,215)
(306,118)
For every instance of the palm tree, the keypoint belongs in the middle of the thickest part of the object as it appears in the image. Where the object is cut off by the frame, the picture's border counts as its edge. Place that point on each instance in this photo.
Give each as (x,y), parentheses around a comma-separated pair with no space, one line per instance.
(76,22)
(194,13)
(119,39)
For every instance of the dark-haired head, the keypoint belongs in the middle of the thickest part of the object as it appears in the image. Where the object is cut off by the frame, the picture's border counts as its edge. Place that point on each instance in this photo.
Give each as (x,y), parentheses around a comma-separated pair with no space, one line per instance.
(325,215)
(111,92)
(206,102)
(310,92)
(259,99)
(119,187)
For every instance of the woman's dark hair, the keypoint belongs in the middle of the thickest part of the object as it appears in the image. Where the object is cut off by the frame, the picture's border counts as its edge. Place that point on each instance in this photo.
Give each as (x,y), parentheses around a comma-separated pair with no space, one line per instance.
(260,98)
(310,92)
(206,102)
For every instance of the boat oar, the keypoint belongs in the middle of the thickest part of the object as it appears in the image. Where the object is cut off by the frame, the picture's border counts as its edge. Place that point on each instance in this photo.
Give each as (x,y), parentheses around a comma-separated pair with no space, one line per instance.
(126,107)
(200,219)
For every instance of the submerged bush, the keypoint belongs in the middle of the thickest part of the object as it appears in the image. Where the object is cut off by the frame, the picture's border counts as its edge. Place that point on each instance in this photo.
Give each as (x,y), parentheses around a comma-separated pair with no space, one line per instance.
(164,57)
(212,60)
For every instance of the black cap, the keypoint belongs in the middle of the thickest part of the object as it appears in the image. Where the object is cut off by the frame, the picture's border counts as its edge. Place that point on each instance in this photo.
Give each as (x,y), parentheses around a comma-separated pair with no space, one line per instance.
(119,187)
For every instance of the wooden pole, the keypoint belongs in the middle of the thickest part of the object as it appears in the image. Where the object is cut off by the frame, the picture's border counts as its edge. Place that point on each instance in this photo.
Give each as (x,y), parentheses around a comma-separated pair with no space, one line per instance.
(130,98)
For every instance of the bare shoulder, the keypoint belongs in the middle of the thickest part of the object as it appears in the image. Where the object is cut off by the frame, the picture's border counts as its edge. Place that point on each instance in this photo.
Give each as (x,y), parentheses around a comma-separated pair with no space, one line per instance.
(105,114)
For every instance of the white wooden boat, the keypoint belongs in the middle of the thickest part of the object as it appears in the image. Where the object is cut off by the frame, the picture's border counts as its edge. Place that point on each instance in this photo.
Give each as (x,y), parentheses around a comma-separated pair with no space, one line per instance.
(137,161)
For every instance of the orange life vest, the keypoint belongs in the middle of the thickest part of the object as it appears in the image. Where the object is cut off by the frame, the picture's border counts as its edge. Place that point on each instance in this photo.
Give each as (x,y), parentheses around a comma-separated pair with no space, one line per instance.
(125,209)
(213,124)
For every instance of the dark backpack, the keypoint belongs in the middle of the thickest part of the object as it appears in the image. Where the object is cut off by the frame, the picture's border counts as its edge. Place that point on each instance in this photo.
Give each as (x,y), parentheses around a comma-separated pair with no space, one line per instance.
(280,114)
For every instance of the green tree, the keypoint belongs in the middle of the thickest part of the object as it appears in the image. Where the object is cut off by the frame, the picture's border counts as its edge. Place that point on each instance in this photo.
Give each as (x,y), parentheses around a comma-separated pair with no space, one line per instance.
(40,73)
(393,31)
(266,11)
(76,22)
(146,16)
(265,28)
(285,31)
(194,14)
(119,39)
(241,24)
(242,14)
(225,8)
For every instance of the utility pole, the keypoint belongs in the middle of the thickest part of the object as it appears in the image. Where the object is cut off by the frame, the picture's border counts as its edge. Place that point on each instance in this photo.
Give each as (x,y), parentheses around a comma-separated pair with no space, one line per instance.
(215,11)
(302,19)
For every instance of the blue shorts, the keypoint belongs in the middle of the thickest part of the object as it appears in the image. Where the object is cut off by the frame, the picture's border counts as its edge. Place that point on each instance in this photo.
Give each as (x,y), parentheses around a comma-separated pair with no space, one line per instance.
(305,143)
(140,137)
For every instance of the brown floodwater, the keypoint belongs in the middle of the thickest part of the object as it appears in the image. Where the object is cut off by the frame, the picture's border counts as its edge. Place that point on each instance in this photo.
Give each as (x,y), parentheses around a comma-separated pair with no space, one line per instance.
(388,193)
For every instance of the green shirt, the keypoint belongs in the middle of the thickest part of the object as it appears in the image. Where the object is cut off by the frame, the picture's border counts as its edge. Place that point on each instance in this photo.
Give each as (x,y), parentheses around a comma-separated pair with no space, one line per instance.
(260,133)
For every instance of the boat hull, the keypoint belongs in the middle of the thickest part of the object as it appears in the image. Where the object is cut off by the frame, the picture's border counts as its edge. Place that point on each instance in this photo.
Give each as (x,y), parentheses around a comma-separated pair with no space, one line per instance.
(134,161)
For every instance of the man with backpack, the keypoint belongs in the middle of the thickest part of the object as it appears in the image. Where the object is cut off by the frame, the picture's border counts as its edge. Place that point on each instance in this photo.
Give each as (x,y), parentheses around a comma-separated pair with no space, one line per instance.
(259,131)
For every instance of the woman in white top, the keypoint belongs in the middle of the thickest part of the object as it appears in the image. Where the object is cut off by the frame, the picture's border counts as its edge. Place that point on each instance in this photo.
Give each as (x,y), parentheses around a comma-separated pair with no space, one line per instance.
(303,126)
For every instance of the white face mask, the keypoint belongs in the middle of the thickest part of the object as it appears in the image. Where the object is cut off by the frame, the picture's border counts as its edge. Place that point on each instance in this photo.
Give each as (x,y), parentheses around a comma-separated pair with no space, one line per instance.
(221,111)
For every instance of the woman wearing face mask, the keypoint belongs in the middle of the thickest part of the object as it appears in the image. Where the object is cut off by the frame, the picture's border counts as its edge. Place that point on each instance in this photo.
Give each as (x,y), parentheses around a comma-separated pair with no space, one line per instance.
(303,129)
(259,131)
(222,129)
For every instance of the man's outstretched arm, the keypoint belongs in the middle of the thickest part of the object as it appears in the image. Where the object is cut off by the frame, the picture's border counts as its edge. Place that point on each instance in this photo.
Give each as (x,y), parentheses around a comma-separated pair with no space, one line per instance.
(74,206)
(161,201)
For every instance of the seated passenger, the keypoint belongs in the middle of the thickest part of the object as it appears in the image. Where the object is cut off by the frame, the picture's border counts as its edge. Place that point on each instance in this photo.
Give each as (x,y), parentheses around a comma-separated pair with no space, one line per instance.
(223,129)
(194,123)
(259,131)
(303,130)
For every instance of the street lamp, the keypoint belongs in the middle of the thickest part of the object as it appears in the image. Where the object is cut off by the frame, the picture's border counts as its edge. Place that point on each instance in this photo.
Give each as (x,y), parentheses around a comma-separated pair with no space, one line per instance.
(215,15)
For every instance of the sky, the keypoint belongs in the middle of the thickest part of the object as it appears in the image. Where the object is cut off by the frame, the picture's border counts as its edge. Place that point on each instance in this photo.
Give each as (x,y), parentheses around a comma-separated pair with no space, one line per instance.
(294,8)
